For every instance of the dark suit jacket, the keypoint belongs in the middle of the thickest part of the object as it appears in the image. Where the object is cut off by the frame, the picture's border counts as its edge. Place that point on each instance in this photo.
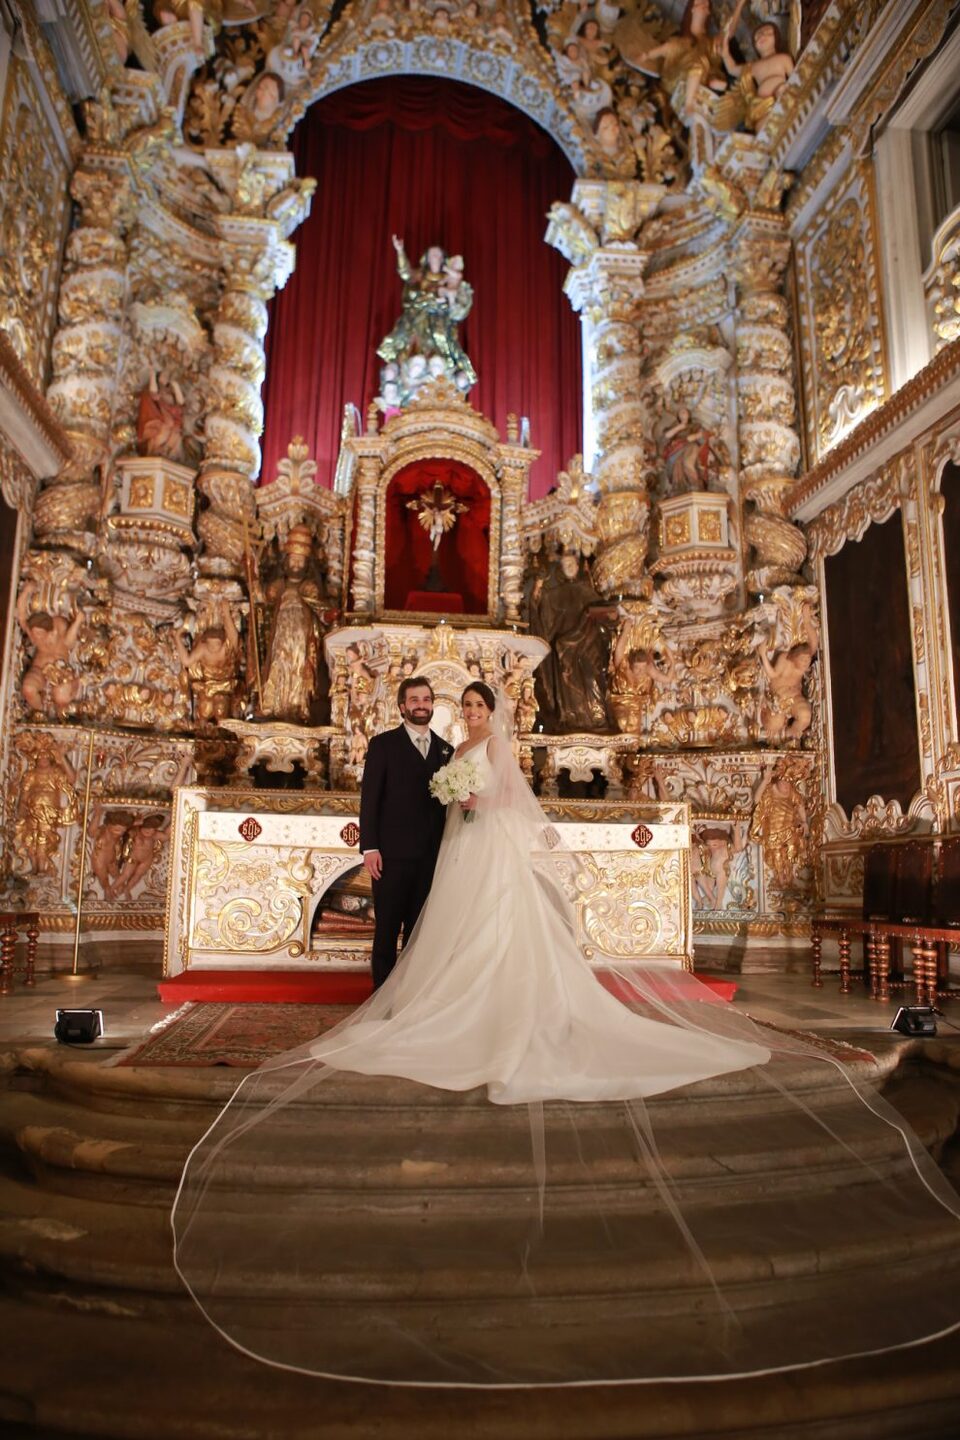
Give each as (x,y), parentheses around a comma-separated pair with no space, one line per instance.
(398,815)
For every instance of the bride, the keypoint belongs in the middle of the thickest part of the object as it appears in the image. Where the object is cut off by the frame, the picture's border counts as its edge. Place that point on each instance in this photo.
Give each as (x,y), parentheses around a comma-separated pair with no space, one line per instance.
(492,990)
(497,992)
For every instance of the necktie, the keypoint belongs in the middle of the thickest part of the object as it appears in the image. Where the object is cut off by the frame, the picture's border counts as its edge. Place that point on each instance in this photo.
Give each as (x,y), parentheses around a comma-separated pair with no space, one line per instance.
(423,743)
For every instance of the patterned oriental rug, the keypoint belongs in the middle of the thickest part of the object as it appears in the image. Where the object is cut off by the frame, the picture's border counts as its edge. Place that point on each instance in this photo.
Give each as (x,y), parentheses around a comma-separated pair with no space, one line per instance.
(244,1035)
(205,1034)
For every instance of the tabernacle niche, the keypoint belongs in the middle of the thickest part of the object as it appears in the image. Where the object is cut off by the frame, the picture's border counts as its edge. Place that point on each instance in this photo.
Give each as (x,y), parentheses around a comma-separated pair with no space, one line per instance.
(875,744)
(950,486)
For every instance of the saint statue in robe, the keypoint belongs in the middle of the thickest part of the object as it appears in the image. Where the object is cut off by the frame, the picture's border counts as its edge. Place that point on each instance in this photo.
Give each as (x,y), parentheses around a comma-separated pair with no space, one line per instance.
(424,343)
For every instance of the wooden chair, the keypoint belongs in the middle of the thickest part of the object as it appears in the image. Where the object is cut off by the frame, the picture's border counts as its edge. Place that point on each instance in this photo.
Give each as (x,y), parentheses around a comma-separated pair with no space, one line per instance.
(11,921)
(880,887)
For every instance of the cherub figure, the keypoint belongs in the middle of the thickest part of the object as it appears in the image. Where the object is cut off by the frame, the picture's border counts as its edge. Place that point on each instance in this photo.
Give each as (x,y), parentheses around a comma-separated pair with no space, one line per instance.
(452,277)
(51,683)
(160,418)
(212,667)
(382,20)
(108,850)
(499,30)
(257,112)
(614,144)
(359,745)
(196,12)
(598,52)
(762,79)
(789,714)
(140,851)
(302,37)
(693,56)
(440,21)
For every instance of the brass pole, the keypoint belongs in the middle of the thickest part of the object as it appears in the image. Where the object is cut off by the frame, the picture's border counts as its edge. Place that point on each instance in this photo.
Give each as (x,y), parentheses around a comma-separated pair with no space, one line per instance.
(82,867)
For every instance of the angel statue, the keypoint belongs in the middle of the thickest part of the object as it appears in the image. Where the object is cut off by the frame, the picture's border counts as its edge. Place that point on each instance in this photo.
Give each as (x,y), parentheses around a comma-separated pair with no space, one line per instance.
(435,299)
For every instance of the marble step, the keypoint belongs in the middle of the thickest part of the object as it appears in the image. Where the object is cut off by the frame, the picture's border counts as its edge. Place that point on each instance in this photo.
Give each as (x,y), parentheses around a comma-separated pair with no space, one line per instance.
(138,1158)
(92,1370)
(176,1090)
(359,1257)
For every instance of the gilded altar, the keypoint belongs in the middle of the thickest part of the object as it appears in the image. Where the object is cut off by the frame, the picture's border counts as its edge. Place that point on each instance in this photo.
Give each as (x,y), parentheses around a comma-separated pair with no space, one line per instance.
(273,880)
(760,387)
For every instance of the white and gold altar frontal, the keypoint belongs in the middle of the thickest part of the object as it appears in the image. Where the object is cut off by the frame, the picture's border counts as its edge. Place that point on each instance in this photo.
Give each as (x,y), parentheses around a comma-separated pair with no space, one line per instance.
(273,880)
(764,383)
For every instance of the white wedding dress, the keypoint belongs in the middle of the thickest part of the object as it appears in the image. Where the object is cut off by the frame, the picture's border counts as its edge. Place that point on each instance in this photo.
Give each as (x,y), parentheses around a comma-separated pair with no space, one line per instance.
(339,1220)
(493,989)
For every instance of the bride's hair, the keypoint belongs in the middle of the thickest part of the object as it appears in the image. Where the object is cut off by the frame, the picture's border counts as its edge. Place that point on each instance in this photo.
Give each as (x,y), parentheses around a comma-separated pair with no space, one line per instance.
(479,687)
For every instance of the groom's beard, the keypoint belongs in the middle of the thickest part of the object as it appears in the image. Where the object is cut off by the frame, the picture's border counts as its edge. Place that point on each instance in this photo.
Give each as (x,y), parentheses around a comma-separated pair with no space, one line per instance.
(420,717)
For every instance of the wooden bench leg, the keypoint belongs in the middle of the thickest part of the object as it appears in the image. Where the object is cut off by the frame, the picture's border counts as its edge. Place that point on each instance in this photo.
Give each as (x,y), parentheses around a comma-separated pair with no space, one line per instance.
(844,946)
(930,973)
(870,966)
(33,937)
(816,948)
(919,971)
(8,948)
(883,968)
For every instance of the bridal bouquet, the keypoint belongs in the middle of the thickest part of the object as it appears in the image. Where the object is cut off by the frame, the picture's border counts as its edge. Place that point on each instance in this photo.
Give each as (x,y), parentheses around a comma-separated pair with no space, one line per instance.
(456,781)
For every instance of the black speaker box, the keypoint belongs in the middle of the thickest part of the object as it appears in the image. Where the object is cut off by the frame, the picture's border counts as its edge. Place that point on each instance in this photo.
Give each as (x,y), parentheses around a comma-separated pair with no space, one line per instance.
(915,1020)
(78,1027)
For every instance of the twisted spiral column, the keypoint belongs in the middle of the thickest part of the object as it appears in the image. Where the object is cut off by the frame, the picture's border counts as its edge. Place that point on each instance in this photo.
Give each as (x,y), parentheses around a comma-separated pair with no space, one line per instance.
(256,261)
(608,290)
(86,346)
(766,401)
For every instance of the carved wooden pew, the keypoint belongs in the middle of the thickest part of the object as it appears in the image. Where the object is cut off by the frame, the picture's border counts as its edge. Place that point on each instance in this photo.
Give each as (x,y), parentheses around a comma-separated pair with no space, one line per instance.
(911,901)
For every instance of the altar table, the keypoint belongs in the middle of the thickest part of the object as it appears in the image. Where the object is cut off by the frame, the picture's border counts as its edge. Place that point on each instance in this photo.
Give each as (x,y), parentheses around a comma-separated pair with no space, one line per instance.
(249,869)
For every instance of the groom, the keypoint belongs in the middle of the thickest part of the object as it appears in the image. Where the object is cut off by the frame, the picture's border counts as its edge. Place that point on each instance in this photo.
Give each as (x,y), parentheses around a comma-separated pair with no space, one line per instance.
(400,822)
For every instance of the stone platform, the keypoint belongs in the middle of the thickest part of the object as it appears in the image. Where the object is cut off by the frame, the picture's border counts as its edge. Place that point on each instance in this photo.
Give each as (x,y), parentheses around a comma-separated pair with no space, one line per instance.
(101,1341)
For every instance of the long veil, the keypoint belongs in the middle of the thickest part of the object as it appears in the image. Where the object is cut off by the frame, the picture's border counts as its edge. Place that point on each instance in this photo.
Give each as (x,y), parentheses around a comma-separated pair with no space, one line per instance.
(734,1200)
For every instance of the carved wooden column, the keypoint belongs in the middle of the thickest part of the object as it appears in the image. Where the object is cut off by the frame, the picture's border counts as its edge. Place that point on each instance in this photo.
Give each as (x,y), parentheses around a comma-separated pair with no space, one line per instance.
(610,288)
(766,399)
(253,267)
(86,347)
(364,547)
(606,287)
(517,460)
(256,260)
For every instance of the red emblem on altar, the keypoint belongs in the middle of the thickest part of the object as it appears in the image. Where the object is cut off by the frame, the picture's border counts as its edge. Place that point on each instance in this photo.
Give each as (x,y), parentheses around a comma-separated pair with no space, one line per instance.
(250,828)
(641,836)
(350,833)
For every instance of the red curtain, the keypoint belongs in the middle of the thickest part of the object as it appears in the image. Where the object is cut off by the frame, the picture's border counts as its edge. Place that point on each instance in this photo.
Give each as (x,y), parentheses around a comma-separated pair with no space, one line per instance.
(433,161)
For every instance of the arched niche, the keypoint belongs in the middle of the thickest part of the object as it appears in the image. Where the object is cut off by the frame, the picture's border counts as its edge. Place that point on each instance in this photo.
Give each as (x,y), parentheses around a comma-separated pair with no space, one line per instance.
(455,576)
(523,79)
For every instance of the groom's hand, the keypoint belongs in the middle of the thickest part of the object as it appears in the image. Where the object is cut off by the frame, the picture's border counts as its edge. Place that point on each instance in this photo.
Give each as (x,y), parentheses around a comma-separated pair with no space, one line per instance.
(373,863)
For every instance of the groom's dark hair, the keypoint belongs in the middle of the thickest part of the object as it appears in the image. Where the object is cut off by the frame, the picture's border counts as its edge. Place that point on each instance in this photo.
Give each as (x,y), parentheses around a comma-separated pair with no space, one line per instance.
(413,682)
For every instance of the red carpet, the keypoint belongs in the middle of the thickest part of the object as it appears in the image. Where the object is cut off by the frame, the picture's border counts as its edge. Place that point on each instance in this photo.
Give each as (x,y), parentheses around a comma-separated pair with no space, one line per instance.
(268,987)
(327,987)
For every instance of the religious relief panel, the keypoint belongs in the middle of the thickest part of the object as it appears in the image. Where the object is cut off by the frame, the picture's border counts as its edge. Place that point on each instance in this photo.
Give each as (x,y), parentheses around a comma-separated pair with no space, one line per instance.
(841,321)
(753,821)
(126,822)
(34,211)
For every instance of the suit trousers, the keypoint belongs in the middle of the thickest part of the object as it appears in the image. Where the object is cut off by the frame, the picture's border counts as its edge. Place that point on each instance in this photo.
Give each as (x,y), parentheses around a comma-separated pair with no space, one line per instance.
(398,897)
